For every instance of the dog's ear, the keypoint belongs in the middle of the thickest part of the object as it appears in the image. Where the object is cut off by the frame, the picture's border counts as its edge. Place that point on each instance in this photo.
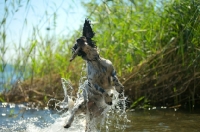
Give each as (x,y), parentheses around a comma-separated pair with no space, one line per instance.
(88,33)
(87,29)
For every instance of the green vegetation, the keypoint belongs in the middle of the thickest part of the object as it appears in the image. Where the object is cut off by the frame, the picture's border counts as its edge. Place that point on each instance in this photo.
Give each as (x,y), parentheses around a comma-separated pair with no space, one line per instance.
(154,46)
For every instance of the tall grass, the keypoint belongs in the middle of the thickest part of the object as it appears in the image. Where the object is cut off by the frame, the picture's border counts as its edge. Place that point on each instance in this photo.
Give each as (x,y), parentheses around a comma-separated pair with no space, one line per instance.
(127,32)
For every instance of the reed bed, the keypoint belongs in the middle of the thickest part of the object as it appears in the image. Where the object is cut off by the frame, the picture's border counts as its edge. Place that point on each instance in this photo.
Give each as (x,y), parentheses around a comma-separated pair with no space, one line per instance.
(165,79)
(153,45)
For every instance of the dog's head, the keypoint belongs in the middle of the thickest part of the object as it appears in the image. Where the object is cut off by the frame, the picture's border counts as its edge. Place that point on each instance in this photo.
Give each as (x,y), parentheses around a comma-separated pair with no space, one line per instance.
(86,39)
(77,48)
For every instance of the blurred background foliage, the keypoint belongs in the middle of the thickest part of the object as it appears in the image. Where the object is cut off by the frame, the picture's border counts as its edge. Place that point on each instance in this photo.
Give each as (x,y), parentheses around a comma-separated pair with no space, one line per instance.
(131,33)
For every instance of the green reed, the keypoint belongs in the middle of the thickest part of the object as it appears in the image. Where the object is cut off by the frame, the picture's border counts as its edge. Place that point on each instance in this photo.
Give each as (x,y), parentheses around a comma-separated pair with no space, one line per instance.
(127,32)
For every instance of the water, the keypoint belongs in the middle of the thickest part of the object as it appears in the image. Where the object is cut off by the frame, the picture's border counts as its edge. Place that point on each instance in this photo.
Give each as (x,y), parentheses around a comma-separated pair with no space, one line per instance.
(28,118)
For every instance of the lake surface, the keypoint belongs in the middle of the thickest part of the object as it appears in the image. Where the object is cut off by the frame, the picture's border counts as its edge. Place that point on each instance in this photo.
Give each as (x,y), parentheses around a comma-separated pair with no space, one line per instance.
(28,118)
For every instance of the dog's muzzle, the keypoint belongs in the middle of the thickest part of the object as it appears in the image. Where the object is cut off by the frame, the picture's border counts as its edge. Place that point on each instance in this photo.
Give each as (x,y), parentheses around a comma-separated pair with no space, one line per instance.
(76,50)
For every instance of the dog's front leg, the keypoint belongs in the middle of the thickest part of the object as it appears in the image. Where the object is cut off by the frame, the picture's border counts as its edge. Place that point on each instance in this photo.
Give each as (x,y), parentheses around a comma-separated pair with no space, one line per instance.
(107,98)
(70,120)
(78,104)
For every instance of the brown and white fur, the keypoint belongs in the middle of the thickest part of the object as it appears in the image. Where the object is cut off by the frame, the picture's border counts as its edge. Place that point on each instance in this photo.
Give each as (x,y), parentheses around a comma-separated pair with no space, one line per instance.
(100,78)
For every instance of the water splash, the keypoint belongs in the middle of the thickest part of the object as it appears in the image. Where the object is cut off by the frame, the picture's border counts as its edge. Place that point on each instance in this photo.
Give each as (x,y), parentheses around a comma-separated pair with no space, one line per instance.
(97,124)
(67,102)
(117,110)
(57,126)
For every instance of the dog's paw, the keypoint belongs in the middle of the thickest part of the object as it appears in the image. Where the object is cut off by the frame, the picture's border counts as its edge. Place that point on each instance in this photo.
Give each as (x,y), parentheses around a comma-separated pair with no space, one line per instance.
(119,88)
(67,126)
(109,103)
(108,99)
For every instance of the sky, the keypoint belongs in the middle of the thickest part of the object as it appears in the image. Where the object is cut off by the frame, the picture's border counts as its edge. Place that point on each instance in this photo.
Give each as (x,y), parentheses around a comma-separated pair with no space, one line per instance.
(21,19)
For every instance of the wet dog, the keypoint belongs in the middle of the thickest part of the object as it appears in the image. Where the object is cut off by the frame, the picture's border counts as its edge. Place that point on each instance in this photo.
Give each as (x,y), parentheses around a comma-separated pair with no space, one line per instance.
(101,76)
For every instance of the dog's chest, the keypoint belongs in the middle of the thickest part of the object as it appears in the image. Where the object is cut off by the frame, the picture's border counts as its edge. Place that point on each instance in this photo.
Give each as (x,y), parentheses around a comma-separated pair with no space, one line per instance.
(99,74)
